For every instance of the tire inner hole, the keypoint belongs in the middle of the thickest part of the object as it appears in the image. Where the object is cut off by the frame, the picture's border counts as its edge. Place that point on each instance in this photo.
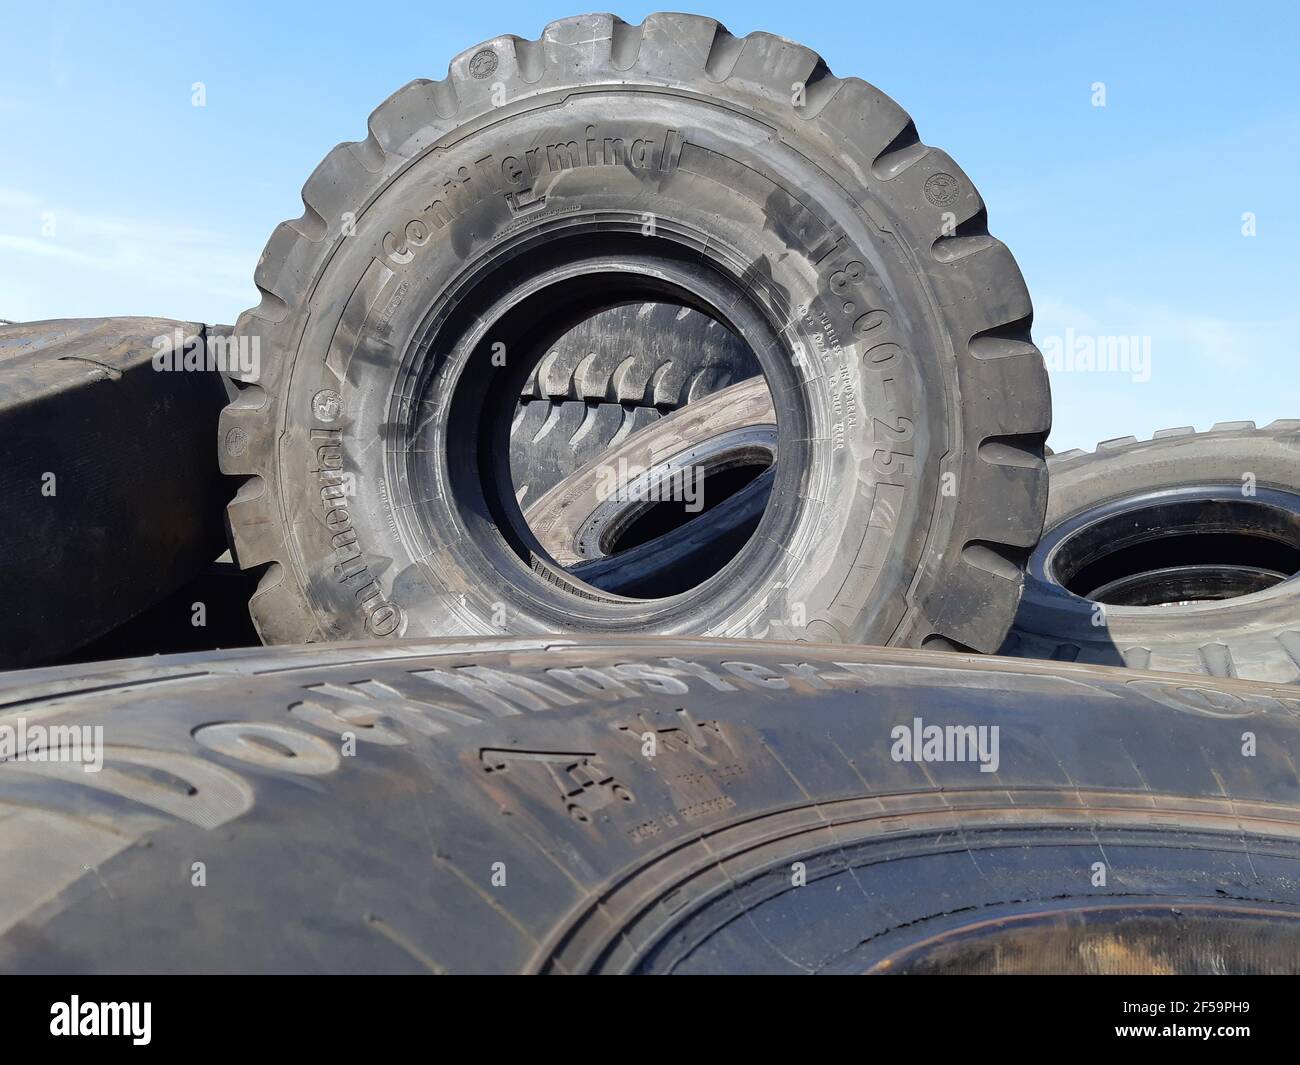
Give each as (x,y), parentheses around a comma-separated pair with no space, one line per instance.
(1181,551)
(659,518)
(626,369)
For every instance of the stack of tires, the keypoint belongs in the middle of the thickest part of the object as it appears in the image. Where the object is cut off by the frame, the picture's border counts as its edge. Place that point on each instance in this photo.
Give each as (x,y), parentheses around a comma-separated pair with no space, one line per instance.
(645,448)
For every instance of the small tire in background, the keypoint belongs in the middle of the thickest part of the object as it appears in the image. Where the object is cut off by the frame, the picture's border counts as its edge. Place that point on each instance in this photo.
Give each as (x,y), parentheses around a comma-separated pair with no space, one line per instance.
(111,493)
(610,375)
(579,804)
(672,504)
(1178,553)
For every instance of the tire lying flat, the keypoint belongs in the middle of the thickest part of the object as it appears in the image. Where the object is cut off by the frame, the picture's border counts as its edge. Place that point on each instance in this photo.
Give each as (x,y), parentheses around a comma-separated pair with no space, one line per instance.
(111,496)
(681,558)
(608,163)
(610,375)
(573,520)
(1232,496)
(656,805)
(580,521)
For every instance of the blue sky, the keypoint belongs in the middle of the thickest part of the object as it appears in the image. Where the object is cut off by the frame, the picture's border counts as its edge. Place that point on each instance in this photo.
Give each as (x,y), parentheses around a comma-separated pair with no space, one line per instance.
(117,196)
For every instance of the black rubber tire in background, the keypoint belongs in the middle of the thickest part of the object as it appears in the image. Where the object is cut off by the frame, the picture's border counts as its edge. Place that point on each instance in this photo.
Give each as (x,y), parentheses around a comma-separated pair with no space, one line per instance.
(610,375)
(655,805)
(912,403)
(574,519)
(1220,479)
(588,522)
(208,612)
(111,496)
(685,555)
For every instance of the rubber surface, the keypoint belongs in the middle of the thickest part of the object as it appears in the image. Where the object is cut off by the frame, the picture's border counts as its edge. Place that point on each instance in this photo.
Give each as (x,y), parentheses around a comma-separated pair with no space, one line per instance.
(644,355)
(640,162)
(111,495)
(570,520)
(565,805)
(611,374)
(209,612)
(677,560)
(1254,636)
(579,519)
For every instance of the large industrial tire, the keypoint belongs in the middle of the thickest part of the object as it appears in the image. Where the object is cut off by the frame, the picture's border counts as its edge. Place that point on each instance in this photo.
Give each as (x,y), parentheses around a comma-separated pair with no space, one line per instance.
(110,494)
(1191,542)
(610,375)
(604,163)
(655,805)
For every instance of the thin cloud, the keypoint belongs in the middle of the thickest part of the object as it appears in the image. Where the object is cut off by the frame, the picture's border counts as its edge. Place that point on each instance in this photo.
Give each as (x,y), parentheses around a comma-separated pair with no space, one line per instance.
(148,250)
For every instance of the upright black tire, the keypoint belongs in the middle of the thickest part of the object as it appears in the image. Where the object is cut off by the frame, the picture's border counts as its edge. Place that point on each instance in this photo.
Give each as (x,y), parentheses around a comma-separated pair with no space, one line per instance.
(650,805)
(605,163)
(111,497)
(1205,524)
(611,374)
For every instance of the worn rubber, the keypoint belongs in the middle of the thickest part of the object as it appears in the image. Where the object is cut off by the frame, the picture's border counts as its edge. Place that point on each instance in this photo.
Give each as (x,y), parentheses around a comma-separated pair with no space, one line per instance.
(574,519)
(610,375)
(645,805)
(912,403)
(207,613)
(549,441)
(570,521)
(679,559)
(643,355)
(137,503)
(1254,636)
